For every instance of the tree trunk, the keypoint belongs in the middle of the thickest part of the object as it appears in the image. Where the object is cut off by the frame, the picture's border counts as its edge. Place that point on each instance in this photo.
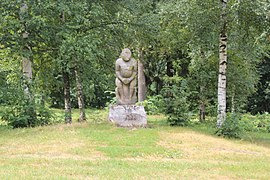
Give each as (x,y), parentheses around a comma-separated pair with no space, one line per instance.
(202,112)
(68,118)
(169,68)
(141,78)
(222,67)
(202,93)
(27,76)
(233,100)
(27,70)
(27,73)
(202,104)
(26,62)
(80,95)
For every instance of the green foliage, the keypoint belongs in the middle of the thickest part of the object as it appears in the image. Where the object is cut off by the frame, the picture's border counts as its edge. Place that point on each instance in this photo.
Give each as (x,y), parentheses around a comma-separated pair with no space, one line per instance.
(179,39)
(26,113)
(153,104)
(22,109)
(242,79)
(232,127)
(256,123)
(202,81)
(259,102)
(177,104)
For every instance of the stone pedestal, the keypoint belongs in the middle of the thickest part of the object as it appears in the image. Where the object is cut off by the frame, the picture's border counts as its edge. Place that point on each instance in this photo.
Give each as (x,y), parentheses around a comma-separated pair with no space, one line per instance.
(128,115)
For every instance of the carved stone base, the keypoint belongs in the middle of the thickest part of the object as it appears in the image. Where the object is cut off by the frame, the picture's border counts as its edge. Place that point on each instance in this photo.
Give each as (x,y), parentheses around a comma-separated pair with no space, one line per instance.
(128,115)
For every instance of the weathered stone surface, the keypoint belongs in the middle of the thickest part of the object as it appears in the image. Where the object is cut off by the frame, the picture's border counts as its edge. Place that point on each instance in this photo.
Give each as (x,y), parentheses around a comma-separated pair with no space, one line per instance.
(126,72)
(128,115)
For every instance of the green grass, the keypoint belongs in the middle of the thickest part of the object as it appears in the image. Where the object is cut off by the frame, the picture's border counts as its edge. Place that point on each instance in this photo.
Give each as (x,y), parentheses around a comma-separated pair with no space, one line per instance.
(99,150)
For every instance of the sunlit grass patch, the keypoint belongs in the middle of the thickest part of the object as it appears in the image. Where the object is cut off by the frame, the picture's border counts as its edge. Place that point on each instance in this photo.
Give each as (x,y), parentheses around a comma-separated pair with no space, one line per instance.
(97,149)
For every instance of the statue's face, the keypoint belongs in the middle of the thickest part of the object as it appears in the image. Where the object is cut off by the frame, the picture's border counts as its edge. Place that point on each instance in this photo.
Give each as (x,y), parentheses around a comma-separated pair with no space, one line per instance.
(126,54)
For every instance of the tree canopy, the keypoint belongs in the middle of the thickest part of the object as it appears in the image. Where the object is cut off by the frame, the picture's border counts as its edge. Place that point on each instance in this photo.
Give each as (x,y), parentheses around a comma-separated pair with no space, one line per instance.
(72,46)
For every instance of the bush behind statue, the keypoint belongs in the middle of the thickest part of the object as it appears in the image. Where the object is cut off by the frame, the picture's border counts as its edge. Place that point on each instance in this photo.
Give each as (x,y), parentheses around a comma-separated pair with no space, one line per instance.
(153,104)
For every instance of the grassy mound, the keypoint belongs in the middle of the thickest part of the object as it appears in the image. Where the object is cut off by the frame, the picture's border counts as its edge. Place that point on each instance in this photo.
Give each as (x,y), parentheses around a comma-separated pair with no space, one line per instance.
(97,149)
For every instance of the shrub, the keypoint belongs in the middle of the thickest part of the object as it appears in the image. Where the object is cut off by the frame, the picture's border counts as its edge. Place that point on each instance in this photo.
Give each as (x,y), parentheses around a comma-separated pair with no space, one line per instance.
(260,122)
(153,104)
(232,127)
(27,114)
(177,106)
(25,111)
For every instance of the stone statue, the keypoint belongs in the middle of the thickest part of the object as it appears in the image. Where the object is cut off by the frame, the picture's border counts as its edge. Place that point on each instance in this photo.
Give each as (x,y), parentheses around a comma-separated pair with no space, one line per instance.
(126,72)
(125,113)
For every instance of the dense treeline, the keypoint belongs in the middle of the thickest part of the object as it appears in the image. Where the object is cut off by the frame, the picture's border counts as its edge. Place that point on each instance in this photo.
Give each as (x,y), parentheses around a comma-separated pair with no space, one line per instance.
(61,54)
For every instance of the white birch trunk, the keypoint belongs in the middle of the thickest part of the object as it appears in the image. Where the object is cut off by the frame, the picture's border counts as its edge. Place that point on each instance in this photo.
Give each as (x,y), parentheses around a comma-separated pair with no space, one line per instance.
(233,100)
(27,73)
(26,62)
(80,95)
(68,117)
(27,68)
(222,67)
(66,79)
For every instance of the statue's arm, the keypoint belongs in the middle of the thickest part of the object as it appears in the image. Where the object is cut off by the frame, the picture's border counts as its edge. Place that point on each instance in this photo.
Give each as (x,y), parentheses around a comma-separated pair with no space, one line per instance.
(117,71)
(135,70)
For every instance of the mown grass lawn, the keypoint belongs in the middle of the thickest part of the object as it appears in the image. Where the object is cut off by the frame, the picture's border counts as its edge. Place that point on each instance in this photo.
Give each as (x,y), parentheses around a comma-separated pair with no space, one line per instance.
(99,150)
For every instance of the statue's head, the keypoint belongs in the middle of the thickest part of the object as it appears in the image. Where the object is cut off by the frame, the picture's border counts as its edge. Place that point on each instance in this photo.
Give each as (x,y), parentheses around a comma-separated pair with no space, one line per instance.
(125,54)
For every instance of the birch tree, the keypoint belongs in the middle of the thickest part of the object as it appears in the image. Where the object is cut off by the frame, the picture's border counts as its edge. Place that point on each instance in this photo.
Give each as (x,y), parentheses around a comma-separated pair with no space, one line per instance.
(222,65)
(80,97)
(19,28)
(26,62)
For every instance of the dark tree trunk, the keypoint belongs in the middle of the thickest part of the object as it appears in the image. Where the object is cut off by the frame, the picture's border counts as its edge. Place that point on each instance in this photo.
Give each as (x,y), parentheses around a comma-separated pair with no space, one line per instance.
(202,93)
(170,68)
(202,112)
(202,104)
(68,118)
(80,95)
(141,78)
(159,85)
